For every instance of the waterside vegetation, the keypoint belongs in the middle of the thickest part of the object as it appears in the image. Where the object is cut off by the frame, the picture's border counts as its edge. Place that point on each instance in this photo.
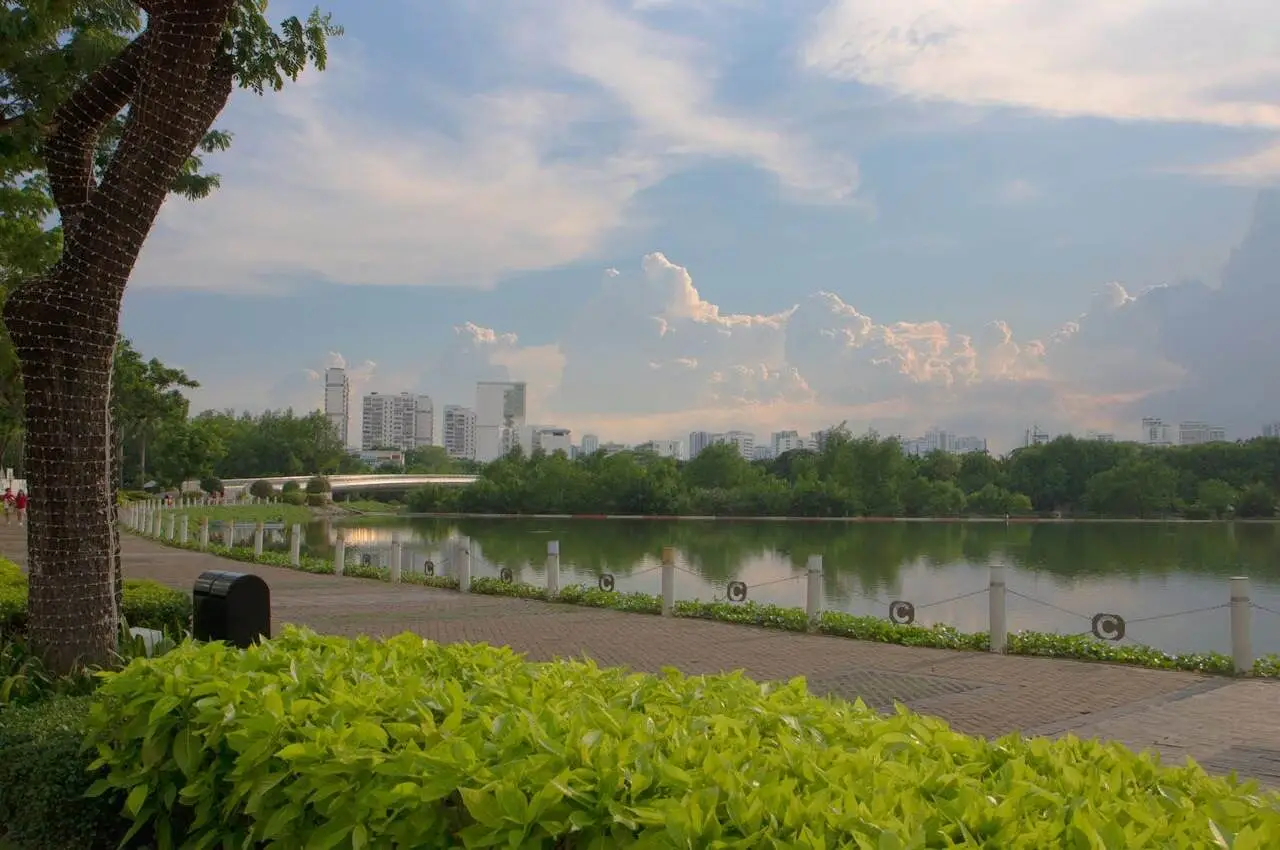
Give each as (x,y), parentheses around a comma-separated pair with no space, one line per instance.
(871,477)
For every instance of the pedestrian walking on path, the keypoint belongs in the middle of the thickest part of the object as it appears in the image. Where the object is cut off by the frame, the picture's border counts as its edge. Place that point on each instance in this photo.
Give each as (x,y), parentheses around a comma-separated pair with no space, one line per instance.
(20,502)
(9,502)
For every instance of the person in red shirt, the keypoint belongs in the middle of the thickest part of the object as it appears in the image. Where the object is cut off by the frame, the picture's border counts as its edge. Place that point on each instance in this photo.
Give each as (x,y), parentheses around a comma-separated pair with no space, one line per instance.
(9,499)
(20,502)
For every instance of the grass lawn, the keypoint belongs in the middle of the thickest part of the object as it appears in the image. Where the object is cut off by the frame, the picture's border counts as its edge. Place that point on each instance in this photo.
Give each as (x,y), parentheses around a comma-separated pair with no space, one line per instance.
(289,514)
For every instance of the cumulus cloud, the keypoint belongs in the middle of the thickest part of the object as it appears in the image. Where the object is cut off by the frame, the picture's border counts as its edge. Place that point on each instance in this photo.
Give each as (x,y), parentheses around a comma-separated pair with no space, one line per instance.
(649,356)
(1164,60)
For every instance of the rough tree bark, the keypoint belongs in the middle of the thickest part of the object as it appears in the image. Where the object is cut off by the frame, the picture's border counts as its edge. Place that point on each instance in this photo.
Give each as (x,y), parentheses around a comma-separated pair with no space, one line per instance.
(174,79)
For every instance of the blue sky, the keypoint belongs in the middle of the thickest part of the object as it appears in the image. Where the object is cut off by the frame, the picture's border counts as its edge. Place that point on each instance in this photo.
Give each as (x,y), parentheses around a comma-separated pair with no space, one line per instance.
(678,214)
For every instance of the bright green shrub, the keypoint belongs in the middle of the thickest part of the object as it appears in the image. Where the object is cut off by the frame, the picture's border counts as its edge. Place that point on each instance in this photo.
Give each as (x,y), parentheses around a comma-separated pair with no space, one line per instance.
(151,605)
(294,497)
(317,500)
(329,742)
(262,489)
(146,604)
(43,779)
(11,573)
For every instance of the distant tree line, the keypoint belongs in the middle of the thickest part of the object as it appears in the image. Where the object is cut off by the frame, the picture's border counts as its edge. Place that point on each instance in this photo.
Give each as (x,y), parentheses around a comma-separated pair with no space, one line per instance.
(867,476)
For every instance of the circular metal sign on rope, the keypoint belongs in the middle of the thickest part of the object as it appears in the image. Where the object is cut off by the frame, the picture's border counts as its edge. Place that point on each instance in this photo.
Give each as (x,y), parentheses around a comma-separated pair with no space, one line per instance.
(736,591)
(1108,626)
(606,582)
(504,574)
(429,567)
(902,612)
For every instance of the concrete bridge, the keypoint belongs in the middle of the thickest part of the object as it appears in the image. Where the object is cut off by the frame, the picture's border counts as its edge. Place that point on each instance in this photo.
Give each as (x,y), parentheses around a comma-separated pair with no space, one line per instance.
(348,483)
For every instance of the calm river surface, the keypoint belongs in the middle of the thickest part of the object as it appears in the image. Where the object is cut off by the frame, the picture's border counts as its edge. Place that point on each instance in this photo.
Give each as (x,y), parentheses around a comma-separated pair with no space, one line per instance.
(1069,571)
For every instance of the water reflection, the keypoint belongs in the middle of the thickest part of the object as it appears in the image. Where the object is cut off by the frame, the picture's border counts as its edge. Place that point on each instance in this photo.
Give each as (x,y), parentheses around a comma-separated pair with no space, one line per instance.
(1060,574)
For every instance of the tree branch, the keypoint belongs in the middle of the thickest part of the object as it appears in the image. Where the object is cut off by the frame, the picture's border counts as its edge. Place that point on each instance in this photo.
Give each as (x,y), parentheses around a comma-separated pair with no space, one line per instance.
(182,83)
(78,122)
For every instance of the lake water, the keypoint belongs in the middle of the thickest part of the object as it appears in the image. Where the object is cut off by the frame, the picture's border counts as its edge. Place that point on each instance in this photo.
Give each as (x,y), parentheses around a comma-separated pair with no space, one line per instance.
(1058,575)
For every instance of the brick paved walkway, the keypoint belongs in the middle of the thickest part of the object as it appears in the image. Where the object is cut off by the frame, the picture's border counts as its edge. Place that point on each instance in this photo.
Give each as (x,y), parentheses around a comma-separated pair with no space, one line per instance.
(1223,723)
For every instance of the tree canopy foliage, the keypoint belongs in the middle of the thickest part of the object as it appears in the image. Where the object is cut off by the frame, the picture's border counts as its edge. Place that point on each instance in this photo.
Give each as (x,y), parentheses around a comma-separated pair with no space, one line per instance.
(866,476)
(105,109)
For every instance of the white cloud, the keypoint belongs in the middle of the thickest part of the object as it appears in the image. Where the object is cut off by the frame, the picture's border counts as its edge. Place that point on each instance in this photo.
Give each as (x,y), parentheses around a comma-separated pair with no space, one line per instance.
(461,188)
(648,355)
(665,81)
(1162,60)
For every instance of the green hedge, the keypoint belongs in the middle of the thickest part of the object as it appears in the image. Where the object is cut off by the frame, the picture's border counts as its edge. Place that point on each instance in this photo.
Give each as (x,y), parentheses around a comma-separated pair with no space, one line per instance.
(146,604)
(841,624)
(43,779)
(310,741)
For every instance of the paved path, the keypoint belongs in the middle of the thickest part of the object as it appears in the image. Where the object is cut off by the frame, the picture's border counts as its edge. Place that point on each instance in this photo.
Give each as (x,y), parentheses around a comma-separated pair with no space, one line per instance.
(1223,723)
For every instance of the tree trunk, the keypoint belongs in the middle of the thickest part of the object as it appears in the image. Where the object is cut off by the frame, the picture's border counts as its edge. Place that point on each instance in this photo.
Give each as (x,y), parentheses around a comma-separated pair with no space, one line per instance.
(71,548)
(174,79)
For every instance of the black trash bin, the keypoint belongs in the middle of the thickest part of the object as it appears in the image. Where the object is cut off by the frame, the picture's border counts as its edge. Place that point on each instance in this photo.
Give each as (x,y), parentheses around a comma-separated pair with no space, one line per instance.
(231,607)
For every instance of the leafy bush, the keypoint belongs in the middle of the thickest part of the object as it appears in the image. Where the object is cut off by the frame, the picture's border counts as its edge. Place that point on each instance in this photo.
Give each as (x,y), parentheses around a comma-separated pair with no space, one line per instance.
(470,745)
(262,489)
(146,604)
(290,487)
(498,587)
(294,497)
(150,605)
(44,775)
(212,486)
(318,484)
(317,500)
(11,574)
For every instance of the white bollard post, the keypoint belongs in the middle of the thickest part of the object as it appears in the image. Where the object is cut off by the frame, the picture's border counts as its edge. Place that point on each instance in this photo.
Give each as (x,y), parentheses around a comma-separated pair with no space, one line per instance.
(553,568)
(464,567)
(171,527)
(668,581)
(183,530)
(340,553)
(999,625)
(156,520)
(397,558)
(813,590)
(1241,625)
(295,545)
(204,533)
(229,533)
(259,531)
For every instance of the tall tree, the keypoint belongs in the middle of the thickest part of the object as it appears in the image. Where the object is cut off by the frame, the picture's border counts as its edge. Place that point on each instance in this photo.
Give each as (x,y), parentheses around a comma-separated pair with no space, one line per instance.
(135,118)
(147,398)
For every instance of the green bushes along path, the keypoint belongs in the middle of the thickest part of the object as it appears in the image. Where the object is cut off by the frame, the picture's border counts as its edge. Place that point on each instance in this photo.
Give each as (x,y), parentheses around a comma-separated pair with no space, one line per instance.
(309,741)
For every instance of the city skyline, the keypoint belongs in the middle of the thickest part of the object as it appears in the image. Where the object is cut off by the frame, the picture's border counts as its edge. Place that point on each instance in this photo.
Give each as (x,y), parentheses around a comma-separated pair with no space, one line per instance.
(665,217)
(505,404)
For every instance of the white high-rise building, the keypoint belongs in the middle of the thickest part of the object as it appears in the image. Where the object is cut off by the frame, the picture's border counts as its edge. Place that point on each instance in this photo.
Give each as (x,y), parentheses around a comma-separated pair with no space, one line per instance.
(552,440)
(459,431)
(404,421)
(786,441)
(1155,432)
(663,448)
(500,412)
(699,440)
(746,443)
(1196,433)
(590,444)
(1271,429)
(337,401)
